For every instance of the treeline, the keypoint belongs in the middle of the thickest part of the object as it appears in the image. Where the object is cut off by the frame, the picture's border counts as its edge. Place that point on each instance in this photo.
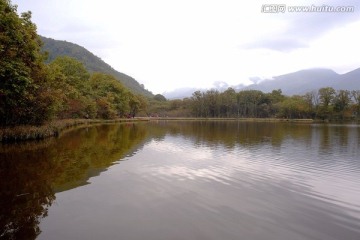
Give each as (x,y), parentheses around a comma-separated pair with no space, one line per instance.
(325,104)
(32,92)
(79,94)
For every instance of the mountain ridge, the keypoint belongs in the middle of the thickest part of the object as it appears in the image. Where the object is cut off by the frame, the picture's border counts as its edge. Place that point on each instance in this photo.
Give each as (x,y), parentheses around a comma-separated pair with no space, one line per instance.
(295,83)
(93,63)
(298,82)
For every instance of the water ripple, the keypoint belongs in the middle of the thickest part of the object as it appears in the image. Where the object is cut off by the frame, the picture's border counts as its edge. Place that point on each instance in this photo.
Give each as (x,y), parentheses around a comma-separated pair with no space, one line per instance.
(306,186)
(293,169)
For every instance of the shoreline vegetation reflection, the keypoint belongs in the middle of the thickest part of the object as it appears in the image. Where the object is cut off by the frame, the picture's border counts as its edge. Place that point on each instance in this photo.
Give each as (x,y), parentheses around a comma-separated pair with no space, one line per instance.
(32,173)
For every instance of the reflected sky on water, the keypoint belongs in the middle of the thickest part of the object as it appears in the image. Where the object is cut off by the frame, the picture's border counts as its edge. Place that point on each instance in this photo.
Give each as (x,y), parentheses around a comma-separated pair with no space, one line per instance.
(187,180)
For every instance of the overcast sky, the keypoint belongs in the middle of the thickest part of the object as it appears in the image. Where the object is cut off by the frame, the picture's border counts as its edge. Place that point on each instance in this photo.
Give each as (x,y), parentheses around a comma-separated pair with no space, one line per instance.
(167,45)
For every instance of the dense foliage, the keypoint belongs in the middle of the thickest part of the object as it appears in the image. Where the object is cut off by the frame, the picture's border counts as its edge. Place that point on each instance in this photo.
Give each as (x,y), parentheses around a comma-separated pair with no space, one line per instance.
(32,92)
(24,94)
(92,63)
(324,104)
(79,94)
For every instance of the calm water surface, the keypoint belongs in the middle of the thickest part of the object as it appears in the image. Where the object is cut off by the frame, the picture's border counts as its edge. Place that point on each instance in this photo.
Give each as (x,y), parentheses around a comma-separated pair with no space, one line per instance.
(184,180)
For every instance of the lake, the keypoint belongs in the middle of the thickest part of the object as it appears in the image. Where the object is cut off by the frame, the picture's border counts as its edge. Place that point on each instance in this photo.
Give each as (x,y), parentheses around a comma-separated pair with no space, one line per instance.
(169,180)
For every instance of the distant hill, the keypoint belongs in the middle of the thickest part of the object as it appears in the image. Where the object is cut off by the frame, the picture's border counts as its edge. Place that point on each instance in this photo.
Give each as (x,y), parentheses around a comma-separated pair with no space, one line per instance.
(92,63)
(299,82)
(308,80)
(350,80)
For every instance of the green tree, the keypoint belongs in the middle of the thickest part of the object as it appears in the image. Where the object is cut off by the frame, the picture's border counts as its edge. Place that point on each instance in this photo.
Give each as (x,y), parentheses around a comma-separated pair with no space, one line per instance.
(112,98)
(144,103)
(24,95)
(228,103)
(310,99)
(294,107)
(249,102)
(342,102)
(326,97)
(356,96)
(73,92)
(75,73)
(197,105)
(135,104)
(212,103)
(159,97)
(275,97)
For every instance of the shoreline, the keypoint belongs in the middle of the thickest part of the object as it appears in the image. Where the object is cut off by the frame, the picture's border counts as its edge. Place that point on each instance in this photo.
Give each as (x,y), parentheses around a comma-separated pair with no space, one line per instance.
(55,128)
(234,119)
(51,129)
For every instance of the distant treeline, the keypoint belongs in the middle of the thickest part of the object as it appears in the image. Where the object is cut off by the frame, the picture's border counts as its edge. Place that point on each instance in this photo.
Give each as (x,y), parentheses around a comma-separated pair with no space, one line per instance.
(326,103)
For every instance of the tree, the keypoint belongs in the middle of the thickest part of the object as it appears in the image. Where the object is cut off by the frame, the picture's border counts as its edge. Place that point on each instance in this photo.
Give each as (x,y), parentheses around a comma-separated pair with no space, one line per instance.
(228,103)
(110,95)
(198,104)
(24,95)
(212,103)
(74,71)
(159,97)
(326,96)
(248,102)
(275,97)
(294,107)
(356,95)
(72,90)
(144,103)
(312,102)
(342,102)
(137,103)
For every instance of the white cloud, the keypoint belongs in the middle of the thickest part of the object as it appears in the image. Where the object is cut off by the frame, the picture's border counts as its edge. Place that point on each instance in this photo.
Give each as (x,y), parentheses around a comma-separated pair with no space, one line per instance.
(177,44)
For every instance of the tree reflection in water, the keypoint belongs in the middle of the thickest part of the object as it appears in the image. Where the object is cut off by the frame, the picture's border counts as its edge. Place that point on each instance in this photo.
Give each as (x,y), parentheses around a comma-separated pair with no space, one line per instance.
(25,193)
(31,173)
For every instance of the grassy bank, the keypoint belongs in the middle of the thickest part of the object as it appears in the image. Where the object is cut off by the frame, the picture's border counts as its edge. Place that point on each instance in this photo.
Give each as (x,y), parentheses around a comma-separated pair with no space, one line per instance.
(51,129)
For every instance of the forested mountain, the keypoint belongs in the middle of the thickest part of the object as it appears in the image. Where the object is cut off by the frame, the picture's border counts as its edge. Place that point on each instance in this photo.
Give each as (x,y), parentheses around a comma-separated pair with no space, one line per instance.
(92,63)
(308,80)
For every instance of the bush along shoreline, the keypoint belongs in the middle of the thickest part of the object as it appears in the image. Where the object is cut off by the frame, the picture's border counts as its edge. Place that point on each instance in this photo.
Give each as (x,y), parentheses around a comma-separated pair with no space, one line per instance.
(51,129)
